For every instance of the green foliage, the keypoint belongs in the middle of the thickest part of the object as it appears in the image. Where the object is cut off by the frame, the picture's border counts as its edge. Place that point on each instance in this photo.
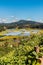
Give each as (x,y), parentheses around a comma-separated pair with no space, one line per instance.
(24,54)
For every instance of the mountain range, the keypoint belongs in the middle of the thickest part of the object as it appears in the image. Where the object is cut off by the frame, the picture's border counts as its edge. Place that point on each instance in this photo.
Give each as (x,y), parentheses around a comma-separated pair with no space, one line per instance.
(22,24)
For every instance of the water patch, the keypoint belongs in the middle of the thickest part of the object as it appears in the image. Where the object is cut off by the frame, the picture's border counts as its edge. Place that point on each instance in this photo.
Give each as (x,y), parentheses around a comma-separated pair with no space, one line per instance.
(13,33)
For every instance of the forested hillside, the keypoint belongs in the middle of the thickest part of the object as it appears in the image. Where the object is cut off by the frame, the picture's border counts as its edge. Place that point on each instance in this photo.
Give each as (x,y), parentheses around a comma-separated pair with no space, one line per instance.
(21,24)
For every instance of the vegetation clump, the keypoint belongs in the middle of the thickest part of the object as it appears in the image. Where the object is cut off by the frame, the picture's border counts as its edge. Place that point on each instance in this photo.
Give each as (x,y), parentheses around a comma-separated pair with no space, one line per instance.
(26,50)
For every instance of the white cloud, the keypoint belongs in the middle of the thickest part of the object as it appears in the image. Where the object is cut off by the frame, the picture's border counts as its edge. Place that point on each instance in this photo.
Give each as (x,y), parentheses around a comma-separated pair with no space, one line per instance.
(28,19)
(41,21)
(12,16)
(14,20)
(4,20)
(0,20)
(8,20)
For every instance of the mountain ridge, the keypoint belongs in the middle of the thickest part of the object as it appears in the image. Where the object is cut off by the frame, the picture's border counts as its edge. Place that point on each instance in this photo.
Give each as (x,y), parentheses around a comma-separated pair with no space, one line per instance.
(22,24)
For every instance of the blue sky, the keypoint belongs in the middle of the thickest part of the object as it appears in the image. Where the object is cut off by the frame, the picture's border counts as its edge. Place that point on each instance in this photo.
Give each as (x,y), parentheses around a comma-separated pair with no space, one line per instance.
(11,10)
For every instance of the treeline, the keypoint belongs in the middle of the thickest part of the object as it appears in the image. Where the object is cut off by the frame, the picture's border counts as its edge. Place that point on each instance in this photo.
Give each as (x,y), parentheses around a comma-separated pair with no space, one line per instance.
(21,24)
